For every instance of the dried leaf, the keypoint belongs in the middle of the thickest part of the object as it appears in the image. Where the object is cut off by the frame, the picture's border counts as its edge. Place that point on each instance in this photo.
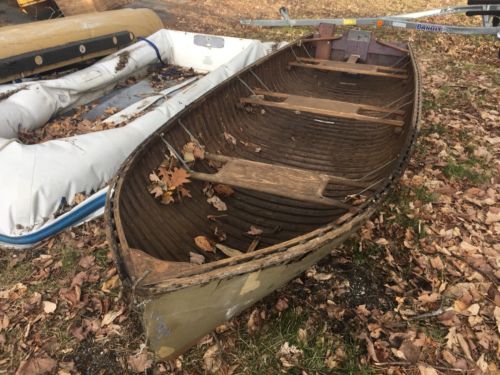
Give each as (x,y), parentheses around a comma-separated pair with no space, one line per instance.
(281,304)
(370,348)
(86,261)
(254,231)
(289,355)
(217,203)
(167,197)
(4,322)
(465,347)
(437,263)
(36,366)
(110,284)
(153,177)
(188,152)
(229,138)
(211,360)
(179,176)
(49,307)
(199,152)
(410,351)
(254,321)
(382,242)
(429,297)
(493,215)
(427,370)
(156,191)
(139,362)
(302,336)
(111,316)
(496,314)
(204,244)
(196,258)
(224,190)
(185,193)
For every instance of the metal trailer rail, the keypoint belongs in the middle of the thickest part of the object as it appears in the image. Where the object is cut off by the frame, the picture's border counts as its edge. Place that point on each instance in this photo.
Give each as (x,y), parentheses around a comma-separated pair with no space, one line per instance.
(401,20)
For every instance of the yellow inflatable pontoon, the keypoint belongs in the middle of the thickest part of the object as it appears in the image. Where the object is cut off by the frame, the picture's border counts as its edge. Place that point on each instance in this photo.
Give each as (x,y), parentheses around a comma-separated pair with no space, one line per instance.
(41,46)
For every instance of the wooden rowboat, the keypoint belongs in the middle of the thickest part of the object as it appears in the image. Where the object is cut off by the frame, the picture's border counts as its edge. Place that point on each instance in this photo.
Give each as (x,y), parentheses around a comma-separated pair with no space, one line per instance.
(310,144)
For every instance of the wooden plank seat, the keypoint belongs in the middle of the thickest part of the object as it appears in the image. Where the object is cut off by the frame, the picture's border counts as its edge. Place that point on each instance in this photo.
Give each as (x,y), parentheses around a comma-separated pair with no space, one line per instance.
(349,67)
(326,107)
(294,183)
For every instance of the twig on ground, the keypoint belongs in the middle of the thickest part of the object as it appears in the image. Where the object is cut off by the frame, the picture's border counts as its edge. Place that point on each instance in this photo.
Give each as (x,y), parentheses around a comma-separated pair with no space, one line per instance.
(429,314)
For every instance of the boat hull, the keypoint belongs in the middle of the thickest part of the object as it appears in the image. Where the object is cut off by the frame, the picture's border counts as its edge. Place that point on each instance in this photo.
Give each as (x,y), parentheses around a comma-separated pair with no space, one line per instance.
(200,308)
(325,122)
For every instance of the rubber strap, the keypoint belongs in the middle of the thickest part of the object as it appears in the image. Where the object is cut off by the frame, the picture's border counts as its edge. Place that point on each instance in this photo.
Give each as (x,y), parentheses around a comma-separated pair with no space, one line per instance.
(154,46)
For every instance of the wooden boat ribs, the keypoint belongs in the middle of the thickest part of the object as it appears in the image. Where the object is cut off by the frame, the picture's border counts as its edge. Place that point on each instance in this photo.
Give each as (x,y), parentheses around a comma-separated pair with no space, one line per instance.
(309,146)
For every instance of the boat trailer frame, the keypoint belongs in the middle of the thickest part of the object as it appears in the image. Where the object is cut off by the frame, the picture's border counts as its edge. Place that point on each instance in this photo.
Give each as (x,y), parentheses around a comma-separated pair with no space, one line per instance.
(489,10)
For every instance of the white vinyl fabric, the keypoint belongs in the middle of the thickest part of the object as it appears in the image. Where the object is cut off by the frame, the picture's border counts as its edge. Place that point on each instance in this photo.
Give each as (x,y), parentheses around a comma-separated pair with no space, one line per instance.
(35,178)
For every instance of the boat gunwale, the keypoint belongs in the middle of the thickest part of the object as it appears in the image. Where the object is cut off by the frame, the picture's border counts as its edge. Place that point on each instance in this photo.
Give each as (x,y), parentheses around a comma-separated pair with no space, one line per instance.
(262,258)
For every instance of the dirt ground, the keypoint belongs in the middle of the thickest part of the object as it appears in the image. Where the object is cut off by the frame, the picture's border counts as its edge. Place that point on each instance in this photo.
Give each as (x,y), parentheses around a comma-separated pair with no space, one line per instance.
(414,292)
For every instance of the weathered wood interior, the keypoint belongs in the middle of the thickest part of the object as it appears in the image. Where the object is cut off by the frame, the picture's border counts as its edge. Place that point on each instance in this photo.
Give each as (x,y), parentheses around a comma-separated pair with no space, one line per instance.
(350,120)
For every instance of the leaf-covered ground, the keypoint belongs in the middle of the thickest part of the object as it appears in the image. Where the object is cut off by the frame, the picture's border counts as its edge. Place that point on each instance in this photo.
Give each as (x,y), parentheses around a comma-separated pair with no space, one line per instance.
(414,292)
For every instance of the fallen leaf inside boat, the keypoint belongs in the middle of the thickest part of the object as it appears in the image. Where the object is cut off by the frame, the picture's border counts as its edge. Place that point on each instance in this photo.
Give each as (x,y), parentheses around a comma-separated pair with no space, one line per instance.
(254,231)
(192,151)
(178,177)
(204,244)
(167,180)
(217,203)
(196,258)
(229,138)
(224,190)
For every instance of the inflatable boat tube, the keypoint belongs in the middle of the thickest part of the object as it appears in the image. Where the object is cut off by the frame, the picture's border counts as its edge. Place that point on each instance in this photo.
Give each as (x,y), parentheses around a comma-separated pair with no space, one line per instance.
(37,47)
(37,178)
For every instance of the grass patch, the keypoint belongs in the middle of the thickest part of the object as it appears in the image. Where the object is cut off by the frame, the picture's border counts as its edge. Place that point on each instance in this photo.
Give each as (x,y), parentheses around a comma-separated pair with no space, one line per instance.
(399,205)
(351,365)
(464,135)
(429,104)
(423,194)
(434,128)
(69,259)
(465,171)
(362,256)
(257,353)
(16,274)
(436,332)
(101,256)
(266,344)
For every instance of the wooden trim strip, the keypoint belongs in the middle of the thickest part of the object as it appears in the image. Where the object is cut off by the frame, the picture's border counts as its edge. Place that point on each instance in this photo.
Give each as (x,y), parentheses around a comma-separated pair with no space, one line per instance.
(345,67)
(324,39)
(393,46)
(324,107)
